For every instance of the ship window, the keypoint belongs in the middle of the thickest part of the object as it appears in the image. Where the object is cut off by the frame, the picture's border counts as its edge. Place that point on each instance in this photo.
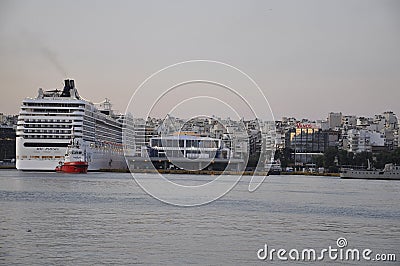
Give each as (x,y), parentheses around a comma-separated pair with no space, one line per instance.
(38,144)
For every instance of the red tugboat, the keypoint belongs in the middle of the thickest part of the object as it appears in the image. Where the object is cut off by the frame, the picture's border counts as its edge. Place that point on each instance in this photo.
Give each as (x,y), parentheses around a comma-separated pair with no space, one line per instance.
(74,160)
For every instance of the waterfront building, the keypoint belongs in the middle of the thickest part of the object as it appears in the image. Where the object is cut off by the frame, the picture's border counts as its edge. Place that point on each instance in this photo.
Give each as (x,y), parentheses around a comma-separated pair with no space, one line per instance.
(187,146)
(308,140)
(322,124)
(391,120)
(361,140)
(363,122)
(185,151)
(349,121)
(334,120)
(8,120)
(143,131)
(7,143)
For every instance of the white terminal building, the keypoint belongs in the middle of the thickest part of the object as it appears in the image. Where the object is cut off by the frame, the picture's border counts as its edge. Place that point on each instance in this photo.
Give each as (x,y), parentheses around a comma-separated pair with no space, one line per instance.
(186,146)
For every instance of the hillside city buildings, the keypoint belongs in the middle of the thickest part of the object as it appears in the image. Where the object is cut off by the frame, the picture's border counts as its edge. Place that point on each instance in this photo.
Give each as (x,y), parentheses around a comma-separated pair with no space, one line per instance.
(306,138)
(302,139)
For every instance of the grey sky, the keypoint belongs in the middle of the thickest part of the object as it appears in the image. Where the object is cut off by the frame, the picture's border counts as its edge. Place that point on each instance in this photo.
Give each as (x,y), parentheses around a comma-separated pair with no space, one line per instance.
(309,57)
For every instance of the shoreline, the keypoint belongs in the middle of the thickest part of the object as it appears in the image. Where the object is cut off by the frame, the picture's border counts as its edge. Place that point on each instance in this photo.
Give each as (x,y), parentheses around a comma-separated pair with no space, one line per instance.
(208,172)
(200,172)
(7,167)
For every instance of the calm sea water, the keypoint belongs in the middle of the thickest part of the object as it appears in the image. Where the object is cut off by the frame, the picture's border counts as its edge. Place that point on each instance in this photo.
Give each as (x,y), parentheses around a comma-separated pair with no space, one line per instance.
(105,218)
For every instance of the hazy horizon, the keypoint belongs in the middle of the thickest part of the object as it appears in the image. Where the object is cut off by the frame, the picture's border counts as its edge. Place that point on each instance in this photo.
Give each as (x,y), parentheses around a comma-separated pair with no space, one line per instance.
(308,57)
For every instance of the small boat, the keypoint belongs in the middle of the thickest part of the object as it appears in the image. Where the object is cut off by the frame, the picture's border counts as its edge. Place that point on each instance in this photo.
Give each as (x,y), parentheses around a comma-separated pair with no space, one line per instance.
(74,160)
(274,167)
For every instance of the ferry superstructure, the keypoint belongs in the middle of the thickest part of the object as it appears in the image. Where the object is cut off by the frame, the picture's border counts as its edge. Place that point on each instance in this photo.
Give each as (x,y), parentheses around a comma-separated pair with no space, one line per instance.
(47,124)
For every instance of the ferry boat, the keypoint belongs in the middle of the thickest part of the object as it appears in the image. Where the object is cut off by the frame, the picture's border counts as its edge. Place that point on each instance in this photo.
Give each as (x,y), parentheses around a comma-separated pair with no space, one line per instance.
(390,172)
(47,124)
(74,161)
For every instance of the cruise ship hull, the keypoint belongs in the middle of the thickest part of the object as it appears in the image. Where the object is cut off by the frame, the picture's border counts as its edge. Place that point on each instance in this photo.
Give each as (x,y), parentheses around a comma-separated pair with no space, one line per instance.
(48,158)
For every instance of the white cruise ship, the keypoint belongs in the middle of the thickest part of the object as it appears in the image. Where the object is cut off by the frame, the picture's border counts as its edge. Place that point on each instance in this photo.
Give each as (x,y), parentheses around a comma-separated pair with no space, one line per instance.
(48,123)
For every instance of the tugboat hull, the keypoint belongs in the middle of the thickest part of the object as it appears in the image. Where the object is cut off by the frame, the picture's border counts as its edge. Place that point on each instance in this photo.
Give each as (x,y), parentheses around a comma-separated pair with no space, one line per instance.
(73,167)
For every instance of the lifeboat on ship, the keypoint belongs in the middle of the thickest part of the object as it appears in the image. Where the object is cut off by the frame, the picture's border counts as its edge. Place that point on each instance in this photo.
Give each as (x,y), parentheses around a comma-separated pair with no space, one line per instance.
(74,160)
